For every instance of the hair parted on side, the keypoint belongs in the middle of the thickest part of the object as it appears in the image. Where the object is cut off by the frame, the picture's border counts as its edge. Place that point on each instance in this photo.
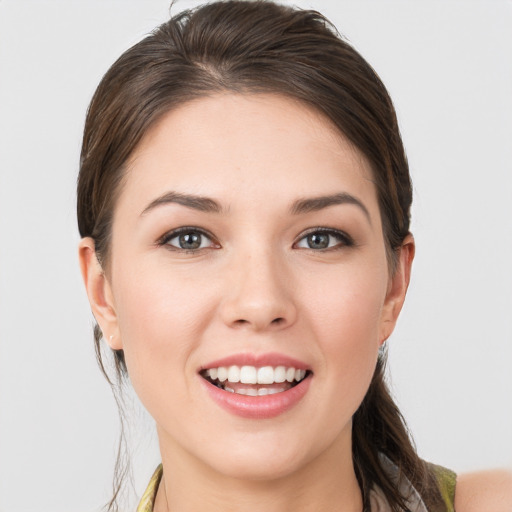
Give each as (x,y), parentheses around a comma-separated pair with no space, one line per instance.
(251,47)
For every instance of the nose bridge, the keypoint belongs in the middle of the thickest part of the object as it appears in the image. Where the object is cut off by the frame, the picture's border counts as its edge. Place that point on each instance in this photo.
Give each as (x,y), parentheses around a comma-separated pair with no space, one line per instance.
(259,294)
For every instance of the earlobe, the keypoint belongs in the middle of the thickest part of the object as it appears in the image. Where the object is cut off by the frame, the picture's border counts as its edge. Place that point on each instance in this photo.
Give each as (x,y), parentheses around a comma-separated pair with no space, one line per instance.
(397,288)
(99,292)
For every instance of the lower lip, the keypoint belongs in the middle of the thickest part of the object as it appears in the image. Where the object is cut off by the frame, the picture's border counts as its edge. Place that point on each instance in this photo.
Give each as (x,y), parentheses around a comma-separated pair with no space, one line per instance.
(258,407)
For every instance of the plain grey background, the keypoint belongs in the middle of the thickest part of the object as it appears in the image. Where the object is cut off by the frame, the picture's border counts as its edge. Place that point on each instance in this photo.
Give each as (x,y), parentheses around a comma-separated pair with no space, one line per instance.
(448,66)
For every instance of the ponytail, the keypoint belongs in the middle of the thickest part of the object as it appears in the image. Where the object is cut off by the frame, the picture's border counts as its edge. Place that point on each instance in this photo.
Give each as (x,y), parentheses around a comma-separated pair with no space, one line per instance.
(379,433)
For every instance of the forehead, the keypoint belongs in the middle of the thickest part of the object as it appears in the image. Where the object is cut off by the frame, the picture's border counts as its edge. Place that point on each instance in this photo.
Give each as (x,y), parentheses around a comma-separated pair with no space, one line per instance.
(255,146)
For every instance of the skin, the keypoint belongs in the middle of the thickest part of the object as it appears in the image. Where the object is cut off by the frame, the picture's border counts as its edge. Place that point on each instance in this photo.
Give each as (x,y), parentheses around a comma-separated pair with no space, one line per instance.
(484,491)
(254,286)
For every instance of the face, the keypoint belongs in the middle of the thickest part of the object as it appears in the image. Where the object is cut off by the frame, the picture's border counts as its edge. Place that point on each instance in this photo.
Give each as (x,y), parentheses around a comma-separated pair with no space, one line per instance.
(248,284)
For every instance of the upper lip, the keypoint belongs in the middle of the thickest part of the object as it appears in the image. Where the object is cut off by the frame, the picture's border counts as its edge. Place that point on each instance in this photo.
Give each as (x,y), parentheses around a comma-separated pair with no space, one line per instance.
(258,360)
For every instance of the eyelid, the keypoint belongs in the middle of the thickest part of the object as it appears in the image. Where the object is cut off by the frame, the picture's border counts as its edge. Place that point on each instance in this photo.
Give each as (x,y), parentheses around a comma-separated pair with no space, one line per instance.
(344,238)
(173,233)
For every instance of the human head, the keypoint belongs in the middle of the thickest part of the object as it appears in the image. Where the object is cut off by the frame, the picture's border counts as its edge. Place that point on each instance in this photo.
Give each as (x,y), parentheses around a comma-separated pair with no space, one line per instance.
(241,47)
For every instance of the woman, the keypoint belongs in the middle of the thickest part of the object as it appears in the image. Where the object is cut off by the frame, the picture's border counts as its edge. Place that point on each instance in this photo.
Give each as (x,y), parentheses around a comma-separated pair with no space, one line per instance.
(244,205)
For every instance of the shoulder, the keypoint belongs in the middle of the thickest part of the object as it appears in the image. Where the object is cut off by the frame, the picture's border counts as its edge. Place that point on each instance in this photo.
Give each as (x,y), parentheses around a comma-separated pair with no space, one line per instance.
(484,491)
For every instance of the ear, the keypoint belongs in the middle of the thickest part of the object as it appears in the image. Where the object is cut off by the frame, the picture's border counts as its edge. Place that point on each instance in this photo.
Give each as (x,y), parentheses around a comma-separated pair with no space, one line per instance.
(397,288)
(99,292)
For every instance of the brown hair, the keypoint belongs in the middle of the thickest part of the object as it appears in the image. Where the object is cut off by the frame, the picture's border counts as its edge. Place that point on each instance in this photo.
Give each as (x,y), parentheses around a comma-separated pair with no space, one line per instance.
(258,47)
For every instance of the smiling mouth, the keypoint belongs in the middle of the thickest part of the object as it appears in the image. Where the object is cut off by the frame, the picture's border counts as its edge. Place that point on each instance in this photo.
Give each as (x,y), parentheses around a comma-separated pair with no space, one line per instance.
(255,381)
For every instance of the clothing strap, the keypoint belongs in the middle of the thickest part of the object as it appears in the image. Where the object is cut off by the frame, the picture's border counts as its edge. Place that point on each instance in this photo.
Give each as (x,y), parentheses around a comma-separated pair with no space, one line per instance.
(148,498)
(446,480)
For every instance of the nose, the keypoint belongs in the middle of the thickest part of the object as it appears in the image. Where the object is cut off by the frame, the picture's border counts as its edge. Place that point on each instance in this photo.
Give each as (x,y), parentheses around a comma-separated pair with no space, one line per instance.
(258,294)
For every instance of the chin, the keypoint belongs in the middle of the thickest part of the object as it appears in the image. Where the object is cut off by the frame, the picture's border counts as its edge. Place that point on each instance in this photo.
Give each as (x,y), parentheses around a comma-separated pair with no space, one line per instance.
(258,469)
(262,457)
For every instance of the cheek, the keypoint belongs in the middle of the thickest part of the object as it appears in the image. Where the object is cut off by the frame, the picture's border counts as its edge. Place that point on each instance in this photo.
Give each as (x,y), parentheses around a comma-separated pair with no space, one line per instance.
(347,305)
(341,313)
(151,298)
(161,318)
(344,312)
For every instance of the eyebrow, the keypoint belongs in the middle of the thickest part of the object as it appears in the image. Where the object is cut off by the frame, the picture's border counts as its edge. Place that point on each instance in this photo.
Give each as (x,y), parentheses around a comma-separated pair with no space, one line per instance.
(315,204)
(200,203)
(300,206)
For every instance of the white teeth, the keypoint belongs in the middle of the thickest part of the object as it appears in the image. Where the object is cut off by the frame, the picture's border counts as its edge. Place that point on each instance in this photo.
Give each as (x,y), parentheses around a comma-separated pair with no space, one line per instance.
(280,374)
(234,374)
(253,375)
(248,375)
(222,373)
(256,392)
(266,375)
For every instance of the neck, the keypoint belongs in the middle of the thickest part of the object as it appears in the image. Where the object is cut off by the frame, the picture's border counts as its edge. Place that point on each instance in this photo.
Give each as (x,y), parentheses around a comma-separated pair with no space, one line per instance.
(328,482)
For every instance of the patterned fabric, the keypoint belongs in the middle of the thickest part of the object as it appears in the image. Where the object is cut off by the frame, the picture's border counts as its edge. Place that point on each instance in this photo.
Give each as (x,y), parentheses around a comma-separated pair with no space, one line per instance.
(445,479)
(445,482)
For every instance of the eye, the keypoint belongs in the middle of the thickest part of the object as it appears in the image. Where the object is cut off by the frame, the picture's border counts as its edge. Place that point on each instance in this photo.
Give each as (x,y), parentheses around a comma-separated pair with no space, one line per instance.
(187,239)
(322,239)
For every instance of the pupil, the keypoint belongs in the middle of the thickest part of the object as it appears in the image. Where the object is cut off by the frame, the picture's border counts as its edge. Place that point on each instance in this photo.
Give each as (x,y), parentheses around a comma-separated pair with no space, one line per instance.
(318,241)
(190,241)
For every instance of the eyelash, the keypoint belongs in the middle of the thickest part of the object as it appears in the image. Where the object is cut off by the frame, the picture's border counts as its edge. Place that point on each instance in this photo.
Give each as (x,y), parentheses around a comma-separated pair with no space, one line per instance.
(344,240)
(186,230)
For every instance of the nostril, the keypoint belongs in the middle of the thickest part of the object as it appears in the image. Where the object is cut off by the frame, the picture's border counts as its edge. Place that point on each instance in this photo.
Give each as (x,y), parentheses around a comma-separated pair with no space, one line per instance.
(241,321)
